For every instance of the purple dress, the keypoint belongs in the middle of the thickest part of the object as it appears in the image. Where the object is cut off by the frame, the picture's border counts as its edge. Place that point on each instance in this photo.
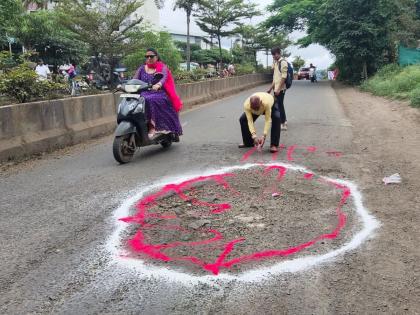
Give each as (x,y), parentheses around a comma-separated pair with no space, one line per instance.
(159,110)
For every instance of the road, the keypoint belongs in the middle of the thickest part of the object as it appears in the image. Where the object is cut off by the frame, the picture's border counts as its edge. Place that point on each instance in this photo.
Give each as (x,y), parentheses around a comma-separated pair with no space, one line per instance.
(57,215)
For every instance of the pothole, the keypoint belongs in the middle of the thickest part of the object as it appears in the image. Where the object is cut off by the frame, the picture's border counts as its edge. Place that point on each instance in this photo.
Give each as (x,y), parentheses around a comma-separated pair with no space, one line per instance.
(239,221)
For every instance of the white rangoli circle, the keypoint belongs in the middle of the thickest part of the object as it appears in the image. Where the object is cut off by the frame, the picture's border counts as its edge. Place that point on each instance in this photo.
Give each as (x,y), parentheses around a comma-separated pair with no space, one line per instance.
(369,225)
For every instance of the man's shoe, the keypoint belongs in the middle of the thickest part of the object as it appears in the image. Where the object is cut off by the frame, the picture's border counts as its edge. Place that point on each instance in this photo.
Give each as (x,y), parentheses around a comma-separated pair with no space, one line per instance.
(273,149)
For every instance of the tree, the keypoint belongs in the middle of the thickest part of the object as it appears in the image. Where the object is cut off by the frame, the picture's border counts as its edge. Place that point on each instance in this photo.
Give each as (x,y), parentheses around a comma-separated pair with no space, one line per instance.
(257,38)
(406,24)
(298,63)
(110,30)
(359,33)
(10,14)
(42,32)
(187,6)
(211,56)
(218,17)
(182,47)
(164,45)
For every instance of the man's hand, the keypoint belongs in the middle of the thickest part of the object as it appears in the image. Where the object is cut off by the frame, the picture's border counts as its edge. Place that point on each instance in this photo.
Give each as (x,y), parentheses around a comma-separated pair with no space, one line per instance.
(259,141)
(256,139)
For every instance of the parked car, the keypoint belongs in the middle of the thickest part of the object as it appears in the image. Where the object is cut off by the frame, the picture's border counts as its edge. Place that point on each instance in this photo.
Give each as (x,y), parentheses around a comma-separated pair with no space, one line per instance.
(303,73)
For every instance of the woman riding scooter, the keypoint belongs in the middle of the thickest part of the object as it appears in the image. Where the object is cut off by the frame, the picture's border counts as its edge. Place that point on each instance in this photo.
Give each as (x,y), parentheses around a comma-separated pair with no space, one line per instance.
(162,102)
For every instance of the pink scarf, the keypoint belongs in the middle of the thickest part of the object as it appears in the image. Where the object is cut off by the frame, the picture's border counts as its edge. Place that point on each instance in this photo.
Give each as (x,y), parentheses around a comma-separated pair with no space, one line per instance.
(169,85)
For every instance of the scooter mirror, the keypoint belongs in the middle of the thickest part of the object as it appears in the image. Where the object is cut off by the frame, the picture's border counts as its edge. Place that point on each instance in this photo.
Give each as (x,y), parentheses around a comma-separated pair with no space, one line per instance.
(157,77)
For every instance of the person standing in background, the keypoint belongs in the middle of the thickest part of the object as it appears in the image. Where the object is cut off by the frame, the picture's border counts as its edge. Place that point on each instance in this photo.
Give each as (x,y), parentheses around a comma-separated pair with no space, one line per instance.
(279,84)
(42,71)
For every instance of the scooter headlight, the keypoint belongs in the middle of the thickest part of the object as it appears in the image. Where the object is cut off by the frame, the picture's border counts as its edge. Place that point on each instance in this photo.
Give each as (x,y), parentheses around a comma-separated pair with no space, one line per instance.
(131,88)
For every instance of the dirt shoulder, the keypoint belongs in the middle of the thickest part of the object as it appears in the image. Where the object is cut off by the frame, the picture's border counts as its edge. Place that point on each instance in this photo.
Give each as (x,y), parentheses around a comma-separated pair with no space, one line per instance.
(386,141)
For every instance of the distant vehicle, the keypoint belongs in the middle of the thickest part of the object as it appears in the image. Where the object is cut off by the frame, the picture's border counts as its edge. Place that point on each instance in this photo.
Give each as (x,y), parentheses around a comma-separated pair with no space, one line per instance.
(303,73)
(193,66)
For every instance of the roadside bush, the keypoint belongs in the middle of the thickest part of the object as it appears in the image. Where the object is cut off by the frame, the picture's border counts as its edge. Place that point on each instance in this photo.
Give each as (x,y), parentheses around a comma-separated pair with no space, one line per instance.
(245,68)
(388,70)
(21,84)
(192,76)
(415,97)
(396,82)
(6,60)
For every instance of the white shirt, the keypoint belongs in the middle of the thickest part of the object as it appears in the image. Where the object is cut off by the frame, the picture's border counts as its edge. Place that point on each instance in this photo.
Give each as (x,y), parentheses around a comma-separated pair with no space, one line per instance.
(42,71)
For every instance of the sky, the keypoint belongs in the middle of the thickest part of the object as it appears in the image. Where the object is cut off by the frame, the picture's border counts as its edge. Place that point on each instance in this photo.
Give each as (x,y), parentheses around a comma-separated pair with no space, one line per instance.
(175,21)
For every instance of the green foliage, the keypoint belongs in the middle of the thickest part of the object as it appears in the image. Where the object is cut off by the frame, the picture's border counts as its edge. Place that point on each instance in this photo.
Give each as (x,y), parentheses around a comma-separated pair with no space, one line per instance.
(359,33)
(10,11)
(406,23)
(396,82)
(21,84)
(197,75)
(256,39)
(164,45)
(239,55)
(182,47)
(107,29)
(6,61)
(415,97)
(245,68)
(298,63)
(211,56)
(42,31)
(216,17)
(191,76)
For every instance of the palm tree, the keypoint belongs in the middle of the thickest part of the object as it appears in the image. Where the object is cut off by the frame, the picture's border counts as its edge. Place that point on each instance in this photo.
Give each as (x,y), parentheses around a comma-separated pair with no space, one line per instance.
(187,6)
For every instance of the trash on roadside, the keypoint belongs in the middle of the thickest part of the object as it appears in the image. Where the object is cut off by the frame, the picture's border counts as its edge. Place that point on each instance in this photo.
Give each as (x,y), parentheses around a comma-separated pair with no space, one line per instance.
(393,179)
(276,194)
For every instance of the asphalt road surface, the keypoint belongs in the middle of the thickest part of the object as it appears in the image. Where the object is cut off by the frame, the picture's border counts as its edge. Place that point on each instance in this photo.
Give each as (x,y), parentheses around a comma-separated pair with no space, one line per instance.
(57,215)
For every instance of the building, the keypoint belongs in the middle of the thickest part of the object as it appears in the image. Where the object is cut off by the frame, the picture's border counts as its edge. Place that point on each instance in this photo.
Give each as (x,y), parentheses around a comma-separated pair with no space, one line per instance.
(148,10)
(194,39)
(150,13)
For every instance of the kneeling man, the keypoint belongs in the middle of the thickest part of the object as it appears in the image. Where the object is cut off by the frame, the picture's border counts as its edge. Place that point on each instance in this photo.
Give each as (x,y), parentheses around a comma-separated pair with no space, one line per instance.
(260,104)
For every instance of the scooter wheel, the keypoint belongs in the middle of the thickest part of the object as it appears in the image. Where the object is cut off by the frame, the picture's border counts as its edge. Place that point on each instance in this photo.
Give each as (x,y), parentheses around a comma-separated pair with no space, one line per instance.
(121,150)
(166,143)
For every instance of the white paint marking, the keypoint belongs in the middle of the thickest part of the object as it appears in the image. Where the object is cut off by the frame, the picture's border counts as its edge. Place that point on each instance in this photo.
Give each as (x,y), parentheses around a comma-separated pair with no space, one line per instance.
(369,222)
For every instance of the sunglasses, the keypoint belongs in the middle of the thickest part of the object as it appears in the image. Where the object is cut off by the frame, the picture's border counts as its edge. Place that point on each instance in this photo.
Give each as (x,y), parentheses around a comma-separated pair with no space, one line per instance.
(150,56)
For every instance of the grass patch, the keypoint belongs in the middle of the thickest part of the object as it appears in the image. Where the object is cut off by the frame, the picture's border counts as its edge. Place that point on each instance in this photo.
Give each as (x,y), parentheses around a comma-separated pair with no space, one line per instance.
(396,82)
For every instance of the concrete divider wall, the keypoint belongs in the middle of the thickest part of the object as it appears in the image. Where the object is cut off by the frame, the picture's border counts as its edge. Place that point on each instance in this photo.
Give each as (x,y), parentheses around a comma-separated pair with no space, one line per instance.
(42,126)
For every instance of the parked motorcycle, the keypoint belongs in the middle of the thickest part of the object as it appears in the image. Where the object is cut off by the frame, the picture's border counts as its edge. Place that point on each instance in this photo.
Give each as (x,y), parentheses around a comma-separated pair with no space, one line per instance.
(118,77)
(132,130)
